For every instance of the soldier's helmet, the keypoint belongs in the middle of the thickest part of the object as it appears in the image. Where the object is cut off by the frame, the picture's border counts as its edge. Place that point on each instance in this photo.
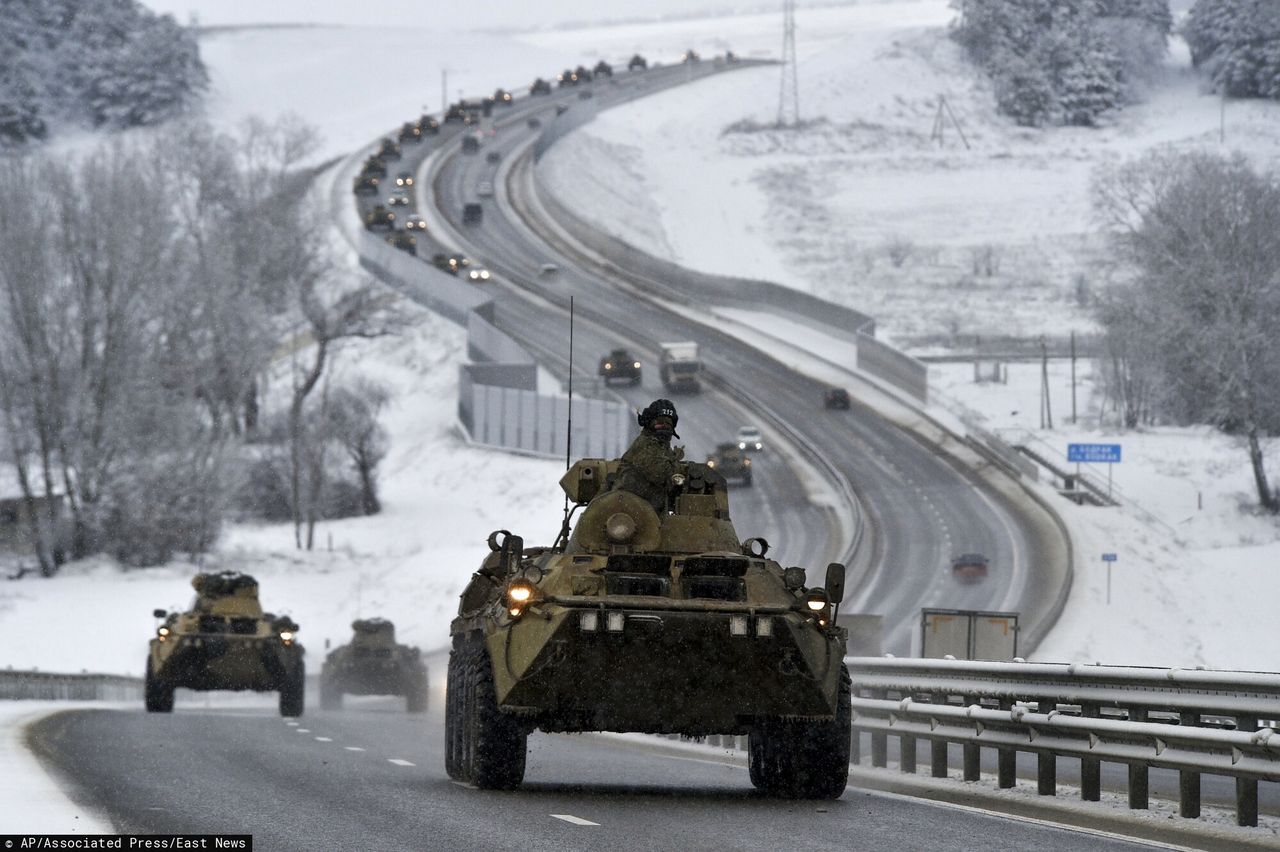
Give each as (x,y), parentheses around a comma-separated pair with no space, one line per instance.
(660,408)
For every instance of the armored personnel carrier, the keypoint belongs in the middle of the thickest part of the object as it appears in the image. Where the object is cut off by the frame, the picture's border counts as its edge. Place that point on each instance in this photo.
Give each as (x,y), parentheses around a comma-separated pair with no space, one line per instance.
(390,150)
(540,87)
(225,641)
(651,622)
(380,217)
(619,364)
(374,664)
(404,241)
(731,461)
(365,184)
(410,132)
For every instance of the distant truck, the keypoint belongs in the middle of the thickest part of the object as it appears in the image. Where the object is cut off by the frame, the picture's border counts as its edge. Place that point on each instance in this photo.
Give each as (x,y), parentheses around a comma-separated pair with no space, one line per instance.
(679,367)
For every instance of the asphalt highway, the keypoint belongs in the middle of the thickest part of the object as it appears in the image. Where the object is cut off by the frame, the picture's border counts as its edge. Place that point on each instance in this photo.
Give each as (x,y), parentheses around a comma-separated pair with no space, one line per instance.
(372,777)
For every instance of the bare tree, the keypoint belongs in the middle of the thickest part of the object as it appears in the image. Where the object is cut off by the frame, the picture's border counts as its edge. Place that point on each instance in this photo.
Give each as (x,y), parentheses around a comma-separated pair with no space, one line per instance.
(1200,232)
(354,412)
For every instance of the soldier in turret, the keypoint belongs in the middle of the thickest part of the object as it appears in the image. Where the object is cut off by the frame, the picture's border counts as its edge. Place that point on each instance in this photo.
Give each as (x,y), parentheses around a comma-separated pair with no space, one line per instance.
(648,464)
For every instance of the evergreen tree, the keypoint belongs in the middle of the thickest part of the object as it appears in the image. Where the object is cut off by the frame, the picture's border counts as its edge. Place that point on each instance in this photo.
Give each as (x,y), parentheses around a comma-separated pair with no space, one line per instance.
(1238,43)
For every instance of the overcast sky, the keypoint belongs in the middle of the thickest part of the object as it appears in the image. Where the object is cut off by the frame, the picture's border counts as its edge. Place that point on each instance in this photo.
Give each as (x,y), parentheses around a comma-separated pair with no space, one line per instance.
(518,14)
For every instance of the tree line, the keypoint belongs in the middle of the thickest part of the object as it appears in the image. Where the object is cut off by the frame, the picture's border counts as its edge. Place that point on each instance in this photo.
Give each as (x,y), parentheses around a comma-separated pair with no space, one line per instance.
(1193,333)
(157,298)
(95,63)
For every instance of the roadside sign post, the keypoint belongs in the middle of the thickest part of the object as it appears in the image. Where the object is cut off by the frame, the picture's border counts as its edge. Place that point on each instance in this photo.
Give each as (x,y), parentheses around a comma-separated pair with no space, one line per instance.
(1108,454)
(1110,559)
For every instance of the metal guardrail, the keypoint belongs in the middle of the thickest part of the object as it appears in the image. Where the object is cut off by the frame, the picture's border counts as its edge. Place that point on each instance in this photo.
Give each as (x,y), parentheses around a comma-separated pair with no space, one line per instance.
(1193,721)
(50,686)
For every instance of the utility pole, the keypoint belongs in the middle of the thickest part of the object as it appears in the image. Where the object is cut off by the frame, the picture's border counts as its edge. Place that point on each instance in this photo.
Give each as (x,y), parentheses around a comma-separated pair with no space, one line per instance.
(1073,378)
(444,90)
(1046,409)
(789,88)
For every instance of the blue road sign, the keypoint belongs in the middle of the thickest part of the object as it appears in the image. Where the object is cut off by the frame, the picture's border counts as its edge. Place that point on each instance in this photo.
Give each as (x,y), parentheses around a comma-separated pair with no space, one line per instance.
(1093,453)
(1108,557)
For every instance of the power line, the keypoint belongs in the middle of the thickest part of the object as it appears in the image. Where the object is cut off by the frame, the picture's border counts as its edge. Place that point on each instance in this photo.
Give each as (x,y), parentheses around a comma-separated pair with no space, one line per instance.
(789,90)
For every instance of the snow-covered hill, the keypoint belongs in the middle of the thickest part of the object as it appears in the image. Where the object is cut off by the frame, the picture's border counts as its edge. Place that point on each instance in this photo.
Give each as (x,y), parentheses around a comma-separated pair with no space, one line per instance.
(1194,599)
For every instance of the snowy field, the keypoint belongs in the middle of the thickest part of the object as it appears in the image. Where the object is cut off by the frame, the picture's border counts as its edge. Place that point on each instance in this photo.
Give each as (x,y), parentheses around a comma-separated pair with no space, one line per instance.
(1188,589)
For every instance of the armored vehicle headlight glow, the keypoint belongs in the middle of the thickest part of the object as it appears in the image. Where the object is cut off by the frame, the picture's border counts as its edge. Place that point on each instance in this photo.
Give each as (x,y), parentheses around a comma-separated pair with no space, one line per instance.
(815,603)
(636,365)
(711,462)
(163,631)
(620,527)
(286,635)
(519,592)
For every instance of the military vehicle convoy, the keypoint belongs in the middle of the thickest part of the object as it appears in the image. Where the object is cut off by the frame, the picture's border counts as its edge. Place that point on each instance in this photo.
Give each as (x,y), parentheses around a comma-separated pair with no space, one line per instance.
(225,641)
(380,217)
(373,663)
(651,622)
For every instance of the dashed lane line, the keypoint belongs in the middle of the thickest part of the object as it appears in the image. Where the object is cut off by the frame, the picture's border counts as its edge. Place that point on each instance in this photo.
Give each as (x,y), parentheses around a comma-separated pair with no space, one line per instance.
(303,730)
(399,761)
(292,724)
(573,819)
(324,739)
(353,748)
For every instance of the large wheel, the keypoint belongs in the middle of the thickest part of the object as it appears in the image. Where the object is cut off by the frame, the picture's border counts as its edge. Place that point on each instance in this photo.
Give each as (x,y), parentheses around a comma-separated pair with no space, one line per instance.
(804,760)
(453,733)
(157,692)
(292,691)
(496,742)
(330,694)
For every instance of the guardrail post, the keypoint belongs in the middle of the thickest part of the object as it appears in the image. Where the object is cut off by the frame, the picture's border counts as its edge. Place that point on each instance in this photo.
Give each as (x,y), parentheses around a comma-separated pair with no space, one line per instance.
(1006,758)
(1189,782)
(1047,762)
(972,753)
(1090,767)
(879,742)
(907,754)
(938,748)
(1139,777)
(855,744)
(1247,788)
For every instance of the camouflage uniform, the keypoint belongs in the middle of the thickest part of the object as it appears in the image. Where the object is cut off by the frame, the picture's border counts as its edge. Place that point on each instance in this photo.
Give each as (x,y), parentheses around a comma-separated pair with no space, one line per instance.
(646,468)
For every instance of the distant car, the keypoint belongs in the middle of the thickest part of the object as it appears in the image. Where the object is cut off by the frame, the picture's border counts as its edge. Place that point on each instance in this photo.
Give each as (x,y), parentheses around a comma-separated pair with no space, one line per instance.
(567,77)
(730,56)
(750,440)
(479,275)
(603,69)
(836,398)
(691,55)
(637,63)
(380,217)
(583,73)
(470,144)
(410,132)
(731,462)
(472,213)
(620,364)
(375,166)
(415,222)
(404,179)
(548,269)
(398,198)
(484,189)
(404,241)
(970,567)
(450,263)
(390,150)
(429,125)
(540,87)
(365,184)
(493,156)
(534,123)
(502,96)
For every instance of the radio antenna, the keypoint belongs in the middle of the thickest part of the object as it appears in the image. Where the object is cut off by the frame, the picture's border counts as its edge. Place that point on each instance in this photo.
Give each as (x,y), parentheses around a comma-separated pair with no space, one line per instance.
(568,438)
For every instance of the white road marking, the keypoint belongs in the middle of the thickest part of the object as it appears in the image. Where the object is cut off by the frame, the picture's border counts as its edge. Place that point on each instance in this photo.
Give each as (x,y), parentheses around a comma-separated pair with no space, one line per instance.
(575,820)
(303,730)
(353,748)
(324,739)
(292,724)
(399,762)
(461,784)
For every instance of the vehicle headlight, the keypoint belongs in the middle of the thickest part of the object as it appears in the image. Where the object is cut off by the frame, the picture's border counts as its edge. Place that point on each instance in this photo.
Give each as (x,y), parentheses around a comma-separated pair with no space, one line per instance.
(519,593)
(163,632)
(286,636)
(819,606)
(608,366)
(742,445)
(711,462)
(636,365)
